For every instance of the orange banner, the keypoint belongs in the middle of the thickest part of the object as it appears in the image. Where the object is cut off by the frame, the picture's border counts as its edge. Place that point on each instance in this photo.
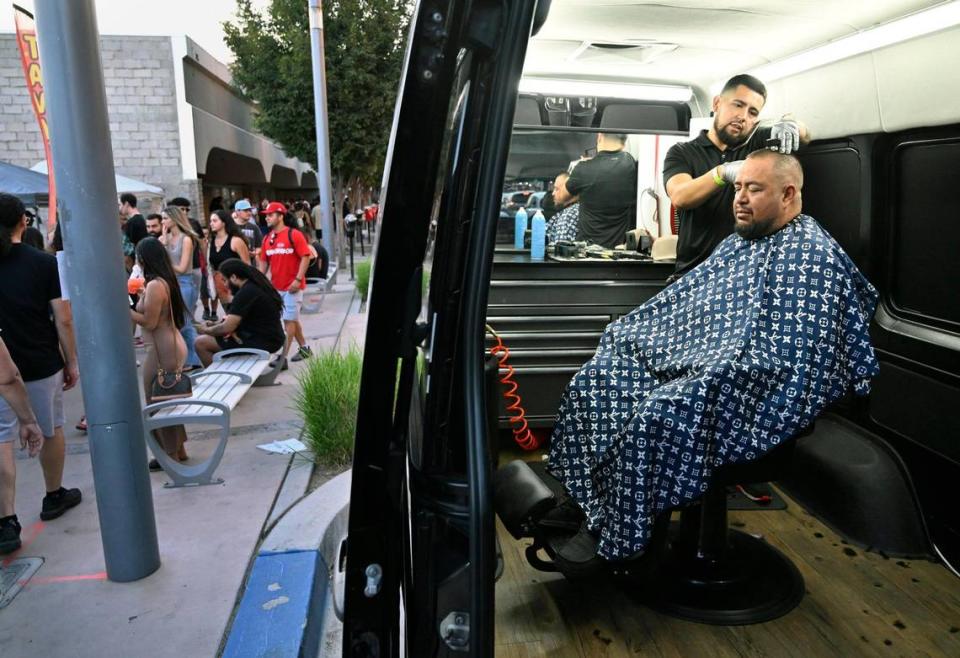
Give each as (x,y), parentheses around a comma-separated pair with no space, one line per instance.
(30,59)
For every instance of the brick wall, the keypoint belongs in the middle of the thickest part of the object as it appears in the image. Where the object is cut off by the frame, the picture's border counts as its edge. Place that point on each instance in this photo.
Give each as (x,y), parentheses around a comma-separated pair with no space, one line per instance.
(142,103)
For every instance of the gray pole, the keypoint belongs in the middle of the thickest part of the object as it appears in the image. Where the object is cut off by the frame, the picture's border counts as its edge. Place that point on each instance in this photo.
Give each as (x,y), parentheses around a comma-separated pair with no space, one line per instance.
(320,113)
(83,162)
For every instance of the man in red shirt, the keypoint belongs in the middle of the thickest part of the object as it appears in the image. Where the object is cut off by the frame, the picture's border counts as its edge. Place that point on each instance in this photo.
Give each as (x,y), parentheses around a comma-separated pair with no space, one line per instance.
(286,254)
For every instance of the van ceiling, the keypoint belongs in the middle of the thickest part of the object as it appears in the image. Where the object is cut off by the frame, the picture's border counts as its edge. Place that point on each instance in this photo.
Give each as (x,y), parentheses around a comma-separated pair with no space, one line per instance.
(591,38)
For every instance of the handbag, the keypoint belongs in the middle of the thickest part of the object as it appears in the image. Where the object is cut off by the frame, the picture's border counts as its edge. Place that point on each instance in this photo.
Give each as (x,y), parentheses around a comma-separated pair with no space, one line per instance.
(169,385)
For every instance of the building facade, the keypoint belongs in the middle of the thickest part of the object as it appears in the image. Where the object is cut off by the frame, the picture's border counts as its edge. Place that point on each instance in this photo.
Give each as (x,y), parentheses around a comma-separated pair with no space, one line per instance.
(176,122)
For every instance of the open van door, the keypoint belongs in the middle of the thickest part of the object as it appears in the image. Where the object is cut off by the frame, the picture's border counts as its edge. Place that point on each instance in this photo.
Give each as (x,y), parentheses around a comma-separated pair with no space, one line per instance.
(420,552)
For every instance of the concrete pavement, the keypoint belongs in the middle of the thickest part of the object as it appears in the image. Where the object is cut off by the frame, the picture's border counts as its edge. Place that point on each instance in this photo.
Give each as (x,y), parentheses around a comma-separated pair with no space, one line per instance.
(207,535)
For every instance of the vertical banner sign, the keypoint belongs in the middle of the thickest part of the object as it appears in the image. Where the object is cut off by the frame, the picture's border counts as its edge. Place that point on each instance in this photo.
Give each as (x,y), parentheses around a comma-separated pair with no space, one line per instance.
(30,59)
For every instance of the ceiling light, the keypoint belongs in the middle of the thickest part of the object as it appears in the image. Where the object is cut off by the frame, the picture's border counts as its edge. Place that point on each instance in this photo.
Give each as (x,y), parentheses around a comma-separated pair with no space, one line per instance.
(626,90)
(916,25)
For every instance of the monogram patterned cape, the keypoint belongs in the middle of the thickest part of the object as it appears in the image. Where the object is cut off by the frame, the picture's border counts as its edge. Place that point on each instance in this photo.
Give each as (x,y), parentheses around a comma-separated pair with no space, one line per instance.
(720,367)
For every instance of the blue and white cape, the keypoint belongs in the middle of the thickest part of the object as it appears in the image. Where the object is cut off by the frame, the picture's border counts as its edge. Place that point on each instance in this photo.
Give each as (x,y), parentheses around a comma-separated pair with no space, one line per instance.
(737,356)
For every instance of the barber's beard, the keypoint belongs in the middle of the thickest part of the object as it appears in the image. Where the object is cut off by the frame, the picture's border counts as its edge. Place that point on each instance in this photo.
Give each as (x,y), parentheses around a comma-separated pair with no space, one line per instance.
(725,137)
(234,289)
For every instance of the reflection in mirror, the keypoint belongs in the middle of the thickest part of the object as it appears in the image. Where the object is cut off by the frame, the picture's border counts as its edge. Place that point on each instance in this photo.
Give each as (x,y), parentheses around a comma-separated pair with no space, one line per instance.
(537,172)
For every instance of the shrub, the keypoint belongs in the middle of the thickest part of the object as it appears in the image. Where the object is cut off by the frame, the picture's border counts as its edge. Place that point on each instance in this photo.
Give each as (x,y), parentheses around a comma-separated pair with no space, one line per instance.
(363,279)
(329,390)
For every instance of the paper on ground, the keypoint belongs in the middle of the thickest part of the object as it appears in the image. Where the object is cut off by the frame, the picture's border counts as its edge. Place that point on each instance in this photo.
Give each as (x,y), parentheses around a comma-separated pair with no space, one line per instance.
(284,447)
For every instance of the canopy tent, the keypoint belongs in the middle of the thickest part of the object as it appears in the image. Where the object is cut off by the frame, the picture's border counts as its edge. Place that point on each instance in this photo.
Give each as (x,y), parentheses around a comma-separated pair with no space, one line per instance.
(124,184)
(29,186)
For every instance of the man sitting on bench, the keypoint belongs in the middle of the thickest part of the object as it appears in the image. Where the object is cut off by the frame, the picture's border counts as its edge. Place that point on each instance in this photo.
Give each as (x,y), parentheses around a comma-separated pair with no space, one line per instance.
(253,308)
(739,355)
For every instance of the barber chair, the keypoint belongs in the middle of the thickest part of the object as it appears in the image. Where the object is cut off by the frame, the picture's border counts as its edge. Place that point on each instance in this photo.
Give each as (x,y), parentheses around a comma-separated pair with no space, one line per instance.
(715,575)
(697,569)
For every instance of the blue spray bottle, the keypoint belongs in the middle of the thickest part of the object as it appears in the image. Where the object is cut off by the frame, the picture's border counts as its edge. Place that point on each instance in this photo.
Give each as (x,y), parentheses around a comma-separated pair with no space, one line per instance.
(519,227)
(538,236)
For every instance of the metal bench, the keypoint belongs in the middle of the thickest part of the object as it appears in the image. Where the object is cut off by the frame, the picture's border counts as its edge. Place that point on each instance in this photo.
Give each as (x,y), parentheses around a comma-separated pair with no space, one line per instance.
(216,391)
(317,288)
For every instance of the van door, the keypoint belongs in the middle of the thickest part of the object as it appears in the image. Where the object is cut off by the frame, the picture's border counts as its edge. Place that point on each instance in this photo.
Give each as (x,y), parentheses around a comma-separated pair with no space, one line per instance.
(420,549)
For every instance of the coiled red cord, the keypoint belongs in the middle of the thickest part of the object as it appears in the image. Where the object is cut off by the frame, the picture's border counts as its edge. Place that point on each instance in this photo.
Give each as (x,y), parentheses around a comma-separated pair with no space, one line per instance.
(521,431)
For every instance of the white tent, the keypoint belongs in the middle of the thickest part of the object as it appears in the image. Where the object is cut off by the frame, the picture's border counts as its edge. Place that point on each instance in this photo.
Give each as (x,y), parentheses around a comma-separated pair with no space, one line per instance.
(124,184)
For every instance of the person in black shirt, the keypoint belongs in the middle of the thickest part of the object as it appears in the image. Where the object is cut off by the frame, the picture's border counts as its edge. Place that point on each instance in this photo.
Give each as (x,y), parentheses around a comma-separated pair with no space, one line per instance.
(319,267)
(44,350)
(699,174)
(135,226)
(253,314)
(607,187)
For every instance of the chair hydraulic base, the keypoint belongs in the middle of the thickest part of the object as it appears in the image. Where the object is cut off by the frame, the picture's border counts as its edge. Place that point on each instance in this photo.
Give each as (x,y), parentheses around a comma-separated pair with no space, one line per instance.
(753,583)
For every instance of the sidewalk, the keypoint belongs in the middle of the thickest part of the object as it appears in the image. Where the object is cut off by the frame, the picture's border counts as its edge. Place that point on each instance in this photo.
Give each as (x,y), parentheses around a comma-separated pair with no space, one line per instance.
(207,535)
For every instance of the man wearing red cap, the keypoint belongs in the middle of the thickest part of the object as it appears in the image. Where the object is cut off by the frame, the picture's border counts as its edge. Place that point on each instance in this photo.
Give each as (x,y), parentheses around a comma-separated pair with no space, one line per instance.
(286,254)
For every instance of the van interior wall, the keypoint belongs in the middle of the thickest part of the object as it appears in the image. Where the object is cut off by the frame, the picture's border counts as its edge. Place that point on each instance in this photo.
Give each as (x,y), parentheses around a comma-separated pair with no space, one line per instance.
(906,85)
(880,177)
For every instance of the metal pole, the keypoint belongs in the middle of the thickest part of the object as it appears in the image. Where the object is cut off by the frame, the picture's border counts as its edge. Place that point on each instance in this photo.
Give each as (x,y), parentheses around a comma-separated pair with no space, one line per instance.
(315,10)
(83,162)
(351,256)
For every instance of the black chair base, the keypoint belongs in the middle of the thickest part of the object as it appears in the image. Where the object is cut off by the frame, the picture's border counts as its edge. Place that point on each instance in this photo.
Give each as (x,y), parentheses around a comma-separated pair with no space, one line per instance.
(754,583)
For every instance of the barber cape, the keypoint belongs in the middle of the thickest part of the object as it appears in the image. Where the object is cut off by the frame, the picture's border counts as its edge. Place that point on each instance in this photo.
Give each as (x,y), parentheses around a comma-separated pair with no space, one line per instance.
(734,358)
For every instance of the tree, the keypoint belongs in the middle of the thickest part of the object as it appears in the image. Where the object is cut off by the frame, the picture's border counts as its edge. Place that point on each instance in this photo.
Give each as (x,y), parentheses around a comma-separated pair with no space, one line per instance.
(364,43)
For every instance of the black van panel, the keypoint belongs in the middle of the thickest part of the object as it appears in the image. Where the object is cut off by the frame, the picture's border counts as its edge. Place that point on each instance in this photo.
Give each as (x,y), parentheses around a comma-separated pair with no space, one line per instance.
(925,231)
(920,408)
(836,192)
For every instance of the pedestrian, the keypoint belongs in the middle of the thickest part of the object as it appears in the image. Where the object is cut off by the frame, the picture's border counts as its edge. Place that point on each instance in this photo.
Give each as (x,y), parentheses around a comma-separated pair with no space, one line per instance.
(162,314)
(244,218)
(181,241)
(135,226)
(14,393)
(253,310)
(200,265)
(44,351)
(286,255)
(226,241)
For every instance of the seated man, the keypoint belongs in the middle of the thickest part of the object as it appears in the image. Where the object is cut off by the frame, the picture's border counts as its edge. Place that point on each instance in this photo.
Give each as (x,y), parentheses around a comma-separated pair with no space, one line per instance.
(731,360)
(564,224)
(253,307)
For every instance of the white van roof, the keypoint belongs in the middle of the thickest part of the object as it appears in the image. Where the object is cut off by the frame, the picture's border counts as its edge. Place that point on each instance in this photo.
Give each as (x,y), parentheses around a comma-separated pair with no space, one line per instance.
(700,45)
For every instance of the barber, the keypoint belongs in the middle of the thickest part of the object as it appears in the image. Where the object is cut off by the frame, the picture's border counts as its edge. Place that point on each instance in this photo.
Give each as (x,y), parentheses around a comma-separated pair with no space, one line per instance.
(699,174)
(607,187)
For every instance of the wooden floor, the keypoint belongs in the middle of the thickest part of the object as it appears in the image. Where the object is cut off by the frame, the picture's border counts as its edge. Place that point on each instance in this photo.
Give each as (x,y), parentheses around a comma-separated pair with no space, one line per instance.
(857,604)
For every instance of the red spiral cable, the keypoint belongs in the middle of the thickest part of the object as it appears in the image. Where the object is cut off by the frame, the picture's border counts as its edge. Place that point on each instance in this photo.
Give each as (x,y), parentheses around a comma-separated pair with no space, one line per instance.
(521,432)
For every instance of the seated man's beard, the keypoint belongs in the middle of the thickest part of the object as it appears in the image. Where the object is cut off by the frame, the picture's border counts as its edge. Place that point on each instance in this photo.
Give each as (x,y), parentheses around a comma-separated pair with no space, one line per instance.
(756,229)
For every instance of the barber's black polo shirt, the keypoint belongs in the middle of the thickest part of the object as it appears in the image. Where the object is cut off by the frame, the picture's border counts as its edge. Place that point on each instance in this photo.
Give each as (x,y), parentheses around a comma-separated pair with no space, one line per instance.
(703,228)
(607,187)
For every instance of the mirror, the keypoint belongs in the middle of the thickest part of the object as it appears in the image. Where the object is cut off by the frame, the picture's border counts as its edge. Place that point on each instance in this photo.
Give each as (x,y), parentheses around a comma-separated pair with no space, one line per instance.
(538,156)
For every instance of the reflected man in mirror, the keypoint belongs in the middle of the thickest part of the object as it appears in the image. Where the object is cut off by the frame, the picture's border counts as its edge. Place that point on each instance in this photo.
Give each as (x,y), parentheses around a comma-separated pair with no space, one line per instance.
(722,366)
(564,224)
(699,174)
(607,187)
